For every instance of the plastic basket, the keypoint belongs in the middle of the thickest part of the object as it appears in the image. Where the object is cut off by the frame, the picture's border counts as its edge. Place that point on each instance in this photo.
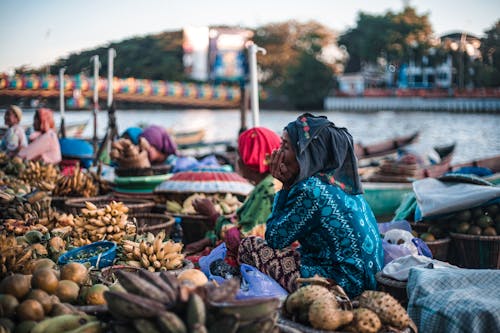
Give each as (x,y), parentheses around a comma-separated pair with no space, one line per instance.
(135,206)
(106,253)
(440,248)
(154,223)
(472,251)
(393,287)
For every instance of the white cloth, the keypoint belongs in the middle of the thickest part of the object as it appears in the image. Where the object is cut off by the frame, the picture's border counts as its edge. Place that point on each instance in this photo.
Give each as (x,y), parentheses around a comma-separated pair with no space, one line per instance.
(399,268)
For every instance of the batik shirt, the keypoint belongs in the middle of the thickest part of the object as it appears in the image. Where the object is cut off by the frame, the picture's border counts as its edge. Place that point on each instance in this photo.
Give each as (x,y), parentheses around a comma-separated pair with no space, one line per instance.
(14,139)
(338,233)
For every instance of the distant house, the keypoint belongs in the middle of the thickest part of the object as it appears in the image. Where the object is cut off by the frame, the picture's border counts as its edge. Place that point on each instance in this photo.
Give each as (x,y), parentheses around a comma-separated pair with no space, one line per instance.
(427,72)
(351,84)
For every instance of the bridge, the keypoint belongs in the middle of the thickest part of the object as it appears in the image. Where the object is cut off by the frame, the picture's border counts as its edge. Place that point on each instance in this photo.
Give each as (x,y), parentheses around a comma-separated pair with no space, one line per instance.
(78,90)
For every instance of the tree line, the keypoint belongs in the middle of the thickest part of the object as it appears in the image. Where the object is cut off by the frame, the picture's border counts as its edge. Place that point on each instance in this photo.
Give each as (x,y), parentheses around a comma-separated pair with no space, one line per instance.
(304,59)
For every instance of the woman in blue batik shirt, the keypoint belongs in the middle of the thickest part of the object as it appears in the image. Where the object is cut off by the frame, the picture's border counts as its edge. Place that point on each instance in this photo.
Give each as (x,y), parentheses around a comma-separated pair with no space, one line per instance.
(321,206)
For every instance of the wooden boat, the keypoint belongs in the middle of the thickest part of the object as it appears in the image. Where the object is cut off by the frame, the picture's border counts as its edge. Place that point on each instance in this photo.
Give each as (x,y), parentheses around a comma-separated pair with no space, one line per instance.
(385,189)
(491,163)
(383,148)
(189,137)
(385,198)
(393,171)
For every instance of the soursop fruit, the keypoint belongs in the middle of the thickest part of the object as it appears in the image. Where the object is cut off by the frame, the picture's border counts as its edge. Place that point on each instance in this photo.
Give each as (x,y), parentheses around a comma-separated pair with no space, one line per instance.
(324,314)
(386,307)
(364,321)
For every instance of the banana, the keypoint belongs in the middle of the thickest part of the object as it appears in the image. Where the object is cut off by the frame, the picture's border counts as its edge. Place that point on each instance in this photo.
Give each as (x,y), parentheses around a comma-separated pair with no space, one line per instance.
(145,326)
(127,305)
(92,327)
(196,312)
(171,280)
(62,323)
(161,284)
(139,286)
(171,323)
(90,206)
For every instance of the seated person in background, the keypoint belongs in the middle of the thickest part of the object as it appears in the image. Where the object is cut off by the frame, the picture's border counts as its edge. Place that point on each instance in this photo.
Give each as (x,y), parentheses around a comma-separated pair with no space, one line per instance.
(255,147)
(161,145)
(44,141)
(132,133)
(15,137)
(321,206)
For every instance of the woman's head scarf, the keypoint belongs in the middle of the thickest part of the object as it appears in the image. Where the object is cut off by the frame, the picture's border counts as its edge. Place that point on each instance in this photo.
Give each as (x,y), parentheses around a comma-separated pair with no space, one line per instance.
(133,134)
(159,138)
(46,118)
(322,148)
(255,146)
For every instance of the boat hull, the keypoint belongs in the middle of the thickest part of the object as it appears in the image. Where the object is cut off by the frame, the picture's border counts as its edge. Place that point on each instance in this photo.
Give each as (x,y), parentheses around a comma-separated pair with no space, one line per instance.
(385,198)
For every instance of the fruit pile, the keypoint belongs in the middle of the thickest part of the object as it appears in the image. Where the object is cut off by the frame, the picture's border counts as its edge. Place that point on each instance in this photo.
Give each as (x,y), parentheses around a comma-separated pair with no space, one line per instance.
(224,204)
(41,302)
(153,253)
(80,184)
(108,223)
(40,175)
(318,306)
(164,303)
(479,221)
(128,155)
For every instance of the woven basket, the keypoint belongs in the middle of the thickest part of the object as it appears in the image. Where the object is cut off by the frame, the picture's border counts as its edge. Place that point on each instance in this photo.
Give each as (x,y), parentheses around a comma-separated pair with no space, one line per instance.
(135,206)
(194,227)
(154,223)
(476,251)
(440,248)
(394,287)
(138,172)
(419,227)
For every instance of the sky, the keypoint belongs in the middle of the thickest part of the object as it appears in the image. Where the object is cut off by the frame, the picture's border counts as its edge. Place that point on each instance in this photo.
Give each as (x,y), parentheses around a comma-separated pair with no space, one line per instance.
(38,32)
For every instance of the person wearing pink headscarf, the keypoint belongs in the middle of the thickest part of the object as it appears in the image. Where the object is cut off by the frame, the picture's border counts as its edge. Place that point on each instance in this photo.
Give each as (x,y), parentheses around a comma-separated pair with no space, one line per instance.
(44,141)
(161,144)
(255,146)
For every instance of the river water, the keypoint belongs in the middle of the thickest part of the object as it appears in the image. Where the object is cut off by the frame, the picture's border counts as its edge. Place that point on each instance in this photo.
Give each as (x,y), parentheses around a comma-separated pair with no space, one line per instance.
(476,135)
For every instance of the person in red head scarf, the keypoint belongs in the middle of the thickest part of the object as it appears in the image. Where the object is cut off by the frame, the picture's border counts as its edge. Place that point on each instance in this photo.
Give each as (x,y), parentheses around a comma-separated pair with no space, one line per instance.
(255,146)
(44,141)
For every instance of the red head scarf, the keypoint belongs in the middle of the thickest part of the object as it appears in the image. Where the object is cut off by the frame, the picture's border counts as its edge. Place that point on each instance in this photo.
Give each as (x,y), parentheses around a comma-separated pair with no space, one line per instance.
(255,146)
(46,119)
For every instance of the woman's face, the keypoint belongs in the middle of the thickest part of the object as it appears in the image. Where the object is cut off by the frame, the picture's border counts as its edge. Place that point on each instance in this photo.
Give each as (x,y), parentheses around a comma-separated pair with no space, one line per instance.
(10,118)
(156,156)
(289,157)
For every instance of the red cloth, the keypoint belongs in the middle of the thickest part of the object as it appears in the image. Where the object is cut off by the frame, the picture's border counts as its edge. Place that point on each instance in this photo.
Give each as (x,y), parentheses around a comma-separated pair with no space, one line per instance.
(255,146)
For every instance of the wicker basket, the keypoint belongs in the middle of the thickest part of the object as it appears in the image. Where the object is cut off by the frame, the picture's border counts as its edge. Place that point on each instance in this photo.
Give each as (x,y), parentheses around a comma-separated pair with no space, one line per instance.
(419,227)
(440,248)
(154,223)
(135,206)
(476,251)
(138,172)
(394,287)
(194,227)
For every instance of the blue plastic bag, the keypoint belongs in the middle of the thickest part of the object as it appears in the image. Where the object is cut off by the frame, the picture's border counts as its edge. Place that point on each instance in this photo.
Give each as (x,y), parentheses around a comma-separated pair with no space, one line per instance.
(218,253)
(257,284)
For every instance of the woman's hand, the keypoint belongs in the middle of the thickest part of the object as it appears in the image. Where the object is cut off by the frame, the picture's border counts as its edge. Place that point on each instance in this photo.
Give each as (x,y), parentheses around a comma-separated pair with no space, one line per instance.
(279,169)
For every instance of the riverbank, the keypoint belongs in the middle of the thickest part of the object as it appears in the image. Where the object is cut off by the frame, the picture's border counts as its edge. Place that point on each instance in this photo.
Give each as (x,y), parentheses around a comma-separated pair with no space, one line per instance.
(462,105)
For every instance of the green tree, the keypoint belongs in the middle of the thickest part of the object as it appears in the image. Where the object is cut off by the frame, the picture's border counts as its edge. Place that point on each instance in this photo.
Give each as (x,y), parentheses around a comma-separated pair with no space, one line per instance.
(395,36)
(308,82)
(488,71)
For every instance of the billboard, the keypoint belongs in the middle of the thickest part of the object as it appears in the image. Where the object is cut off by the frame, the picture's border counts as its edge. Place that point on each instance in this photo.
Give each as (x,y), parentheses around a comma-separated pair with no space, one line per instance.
(227,54)
(195,47)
